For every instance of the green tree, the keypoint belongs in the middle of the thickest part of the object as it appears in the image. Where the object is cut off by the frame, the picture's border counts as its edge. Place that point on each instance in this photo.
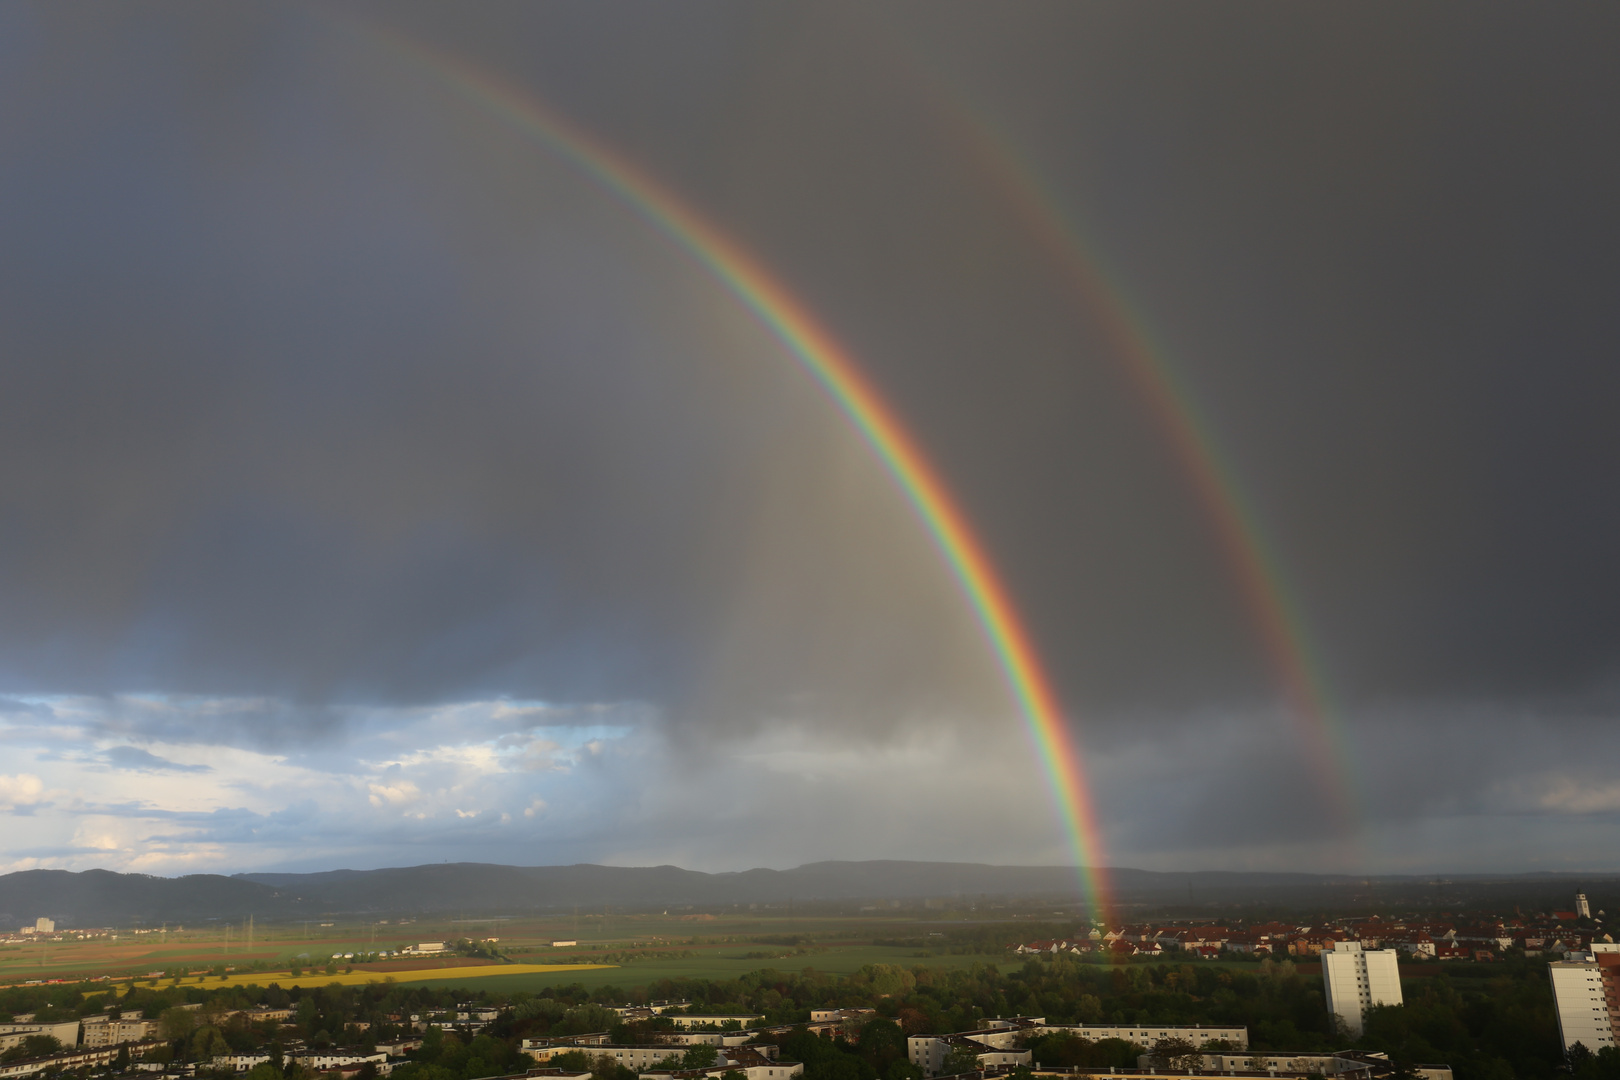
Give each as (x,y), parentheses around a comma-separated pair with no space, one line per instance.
(882,1043)
(175,1024)
(1603,1065)
(541,1008)
(885,980)
(699,1056)
(417,1070)
(961,1059)
(607,1067)
(1176,1054)
(33,1046)
(585,1020)
(207,1043)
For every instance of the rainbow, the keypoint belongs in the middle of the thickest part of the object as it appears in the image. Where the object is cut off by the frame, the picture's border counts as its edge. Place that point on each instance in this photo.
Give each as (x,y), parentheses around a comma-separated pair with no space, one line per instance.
(832,366)
(1214,479)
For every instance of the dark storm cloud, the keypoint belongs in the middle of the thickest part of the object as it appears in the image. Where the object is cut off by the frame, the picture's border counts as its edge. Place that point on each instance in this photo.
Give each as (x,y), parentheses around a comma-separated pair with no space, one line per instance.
(291,409)
(1376,245)
(327,398)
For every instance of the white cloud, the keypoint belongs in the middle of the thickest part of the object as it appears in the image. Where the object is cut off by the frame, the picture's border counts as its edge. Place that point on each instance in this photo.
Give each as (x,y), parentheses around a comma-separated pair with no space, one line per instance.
(1572,795)
(21,790)
(409,785)
(102,835)
(397,794)
(541,755)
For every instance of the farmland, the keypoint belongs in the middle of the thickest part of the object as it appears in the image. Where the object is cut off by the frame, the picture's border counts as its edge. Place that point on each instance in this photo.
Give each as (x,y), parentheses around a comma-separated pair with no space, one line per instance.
(607,948)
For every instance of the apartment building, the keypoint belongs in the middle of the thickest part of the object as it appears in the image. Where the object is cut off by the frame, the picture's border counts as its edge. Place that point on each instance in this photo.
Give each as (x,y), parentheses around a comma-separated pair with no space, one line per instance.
(65,1032)
(1355,979)
(929,1052)
(1586,993)
(714,1020)
(104,1031)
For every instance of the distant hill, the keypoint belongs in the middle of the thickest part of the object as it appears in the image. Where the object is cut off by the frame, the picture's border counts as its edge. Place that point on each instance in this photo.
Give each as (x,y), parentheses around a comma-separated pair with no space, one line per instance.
(103,897)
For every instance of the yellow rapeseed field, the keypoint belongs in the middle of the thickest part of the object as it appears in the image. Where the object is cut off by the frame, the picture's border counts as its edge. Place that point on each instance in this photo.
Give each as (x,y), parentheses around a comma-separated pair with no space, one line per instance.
(360,978)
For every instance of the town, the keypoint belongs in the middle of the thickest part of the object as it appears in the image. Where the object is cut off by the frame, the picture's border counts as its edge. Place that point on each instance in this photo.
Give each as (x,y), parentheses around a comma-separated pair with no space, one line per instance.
(659,1041)
(1352,996)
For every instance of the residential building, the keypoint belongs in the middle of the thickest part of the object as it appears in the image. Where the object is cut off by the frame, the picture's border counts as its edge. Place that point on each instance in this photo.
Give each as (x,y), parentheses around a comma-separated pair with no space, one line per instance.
(1197,938)
(321,1061)
(1004,1033)
(1586,993)
(66,1032)
(1355,979)
(1494,936)
(78,1059)
(1250,942)
(1315,943)
(1417,943)
(399,1047)
(264,1012)
(1001,1037)
(834,1016)
(105,1031)
(1147,1034)
(637,1059)
(238,1062)
(772,1070)
(639,1012)
(1346,1064)
(929,1052)
(748,1060)
(715,1020)
(697,1037)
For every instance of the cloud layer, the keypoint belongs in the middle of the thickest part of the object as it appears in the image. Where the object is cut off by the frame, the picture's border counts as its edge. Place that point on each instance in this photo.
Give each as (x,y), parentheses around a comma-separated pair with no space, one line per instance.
(376,487)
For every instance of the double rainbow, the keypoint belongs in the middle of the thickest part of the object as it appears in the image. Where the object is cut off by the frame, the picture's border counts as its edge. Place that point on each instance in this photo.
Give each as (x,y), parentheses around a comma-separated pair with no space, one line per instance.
(835,369)
(1251,557)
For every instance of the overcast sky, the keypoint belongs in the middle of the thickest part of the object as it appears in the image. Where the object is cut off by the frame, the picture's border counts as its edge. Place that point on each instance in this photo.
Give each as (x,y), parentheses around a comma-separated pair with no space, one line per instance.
(376,488)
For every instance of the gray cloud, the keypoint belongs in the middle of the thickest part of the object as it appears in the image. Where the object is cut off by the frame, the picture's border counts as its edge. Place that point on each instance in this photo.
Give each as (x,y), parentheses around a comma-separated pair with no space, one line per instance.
(133,757)
(330,402)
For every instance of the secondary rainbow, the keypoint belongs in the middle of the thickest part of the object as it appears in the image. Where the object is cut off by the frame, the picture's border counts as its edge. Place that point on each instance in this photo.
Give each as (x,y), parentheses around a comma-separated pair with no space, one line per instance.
(835,369)
(1214,479)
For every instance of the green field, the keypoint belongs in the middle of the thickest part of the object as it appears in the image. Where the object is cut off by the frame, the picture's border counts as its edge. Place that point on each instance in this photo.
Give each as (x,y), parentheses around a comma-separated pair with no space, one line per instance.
(722,945)
(837,960)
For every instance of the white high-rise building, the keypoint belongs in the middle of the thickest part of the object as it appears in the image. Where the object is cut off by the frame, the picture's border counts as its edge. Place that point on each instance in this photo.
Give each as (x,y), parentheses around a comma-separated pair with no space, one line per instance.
(1582,908)
(1581,992)
(1355,980)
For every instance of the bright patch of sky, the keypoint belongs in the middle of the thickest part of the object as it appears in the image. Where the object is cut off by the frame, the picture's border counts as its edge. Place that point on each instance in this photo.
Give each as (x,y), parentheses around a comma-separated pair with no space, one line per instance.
(139,782)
